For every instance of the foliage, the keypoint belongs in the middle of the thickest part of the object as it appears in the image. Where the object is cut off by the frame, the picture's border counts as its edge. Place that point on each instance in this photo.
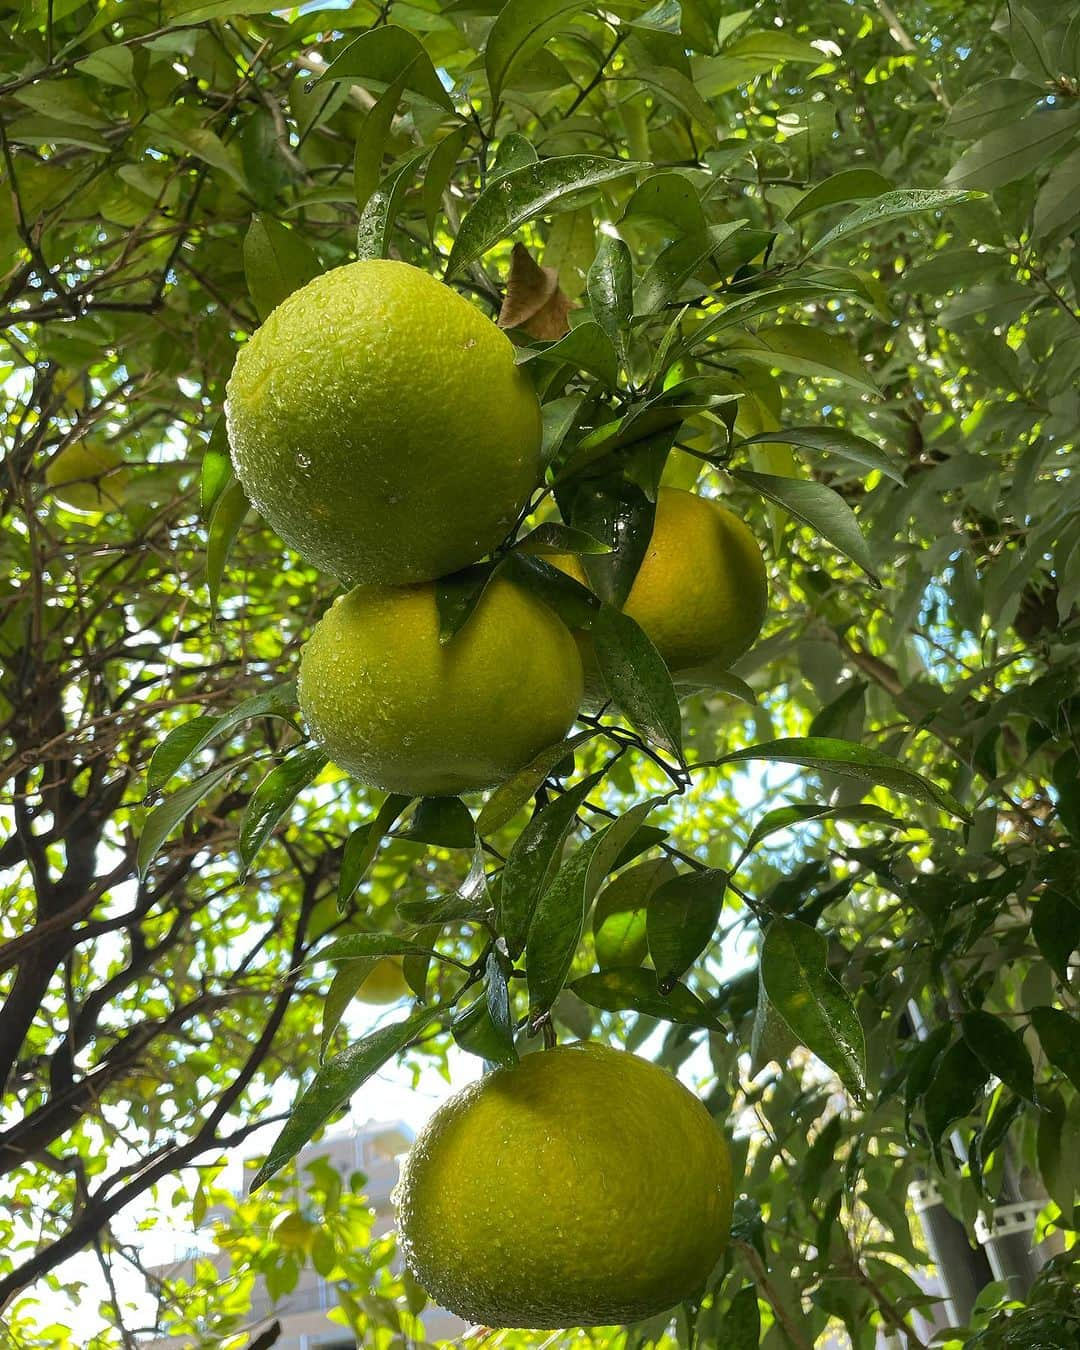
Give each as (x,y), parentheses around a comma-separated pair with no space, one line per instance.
(846,295)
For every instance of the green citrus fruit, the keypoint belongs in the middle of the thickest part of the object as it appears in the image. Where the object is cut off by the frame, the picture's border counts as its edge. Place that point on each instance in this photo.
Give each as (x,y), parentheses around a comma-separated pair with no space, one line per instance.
(88,477)
(401,711)
(580,1187)
(385,982)
(379,423)
(701,590)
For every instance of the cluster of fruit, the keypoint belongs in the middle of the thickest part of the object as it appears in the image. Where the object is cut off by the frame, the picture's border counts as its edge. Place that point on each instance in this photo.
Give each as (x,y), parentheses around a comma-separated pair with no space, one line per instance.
(380,424)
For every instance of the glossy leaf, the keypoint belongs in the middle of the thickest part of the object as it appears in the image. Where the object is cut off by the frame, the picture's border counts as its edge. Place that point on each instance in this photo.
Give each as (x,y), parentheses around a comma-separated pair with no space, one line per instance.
(846,186)
(1059,1035)
(637,679)
(184,742)
(161,822)
(382,208)
(519,29)
(559,184)
(442,821)
(911,202)
(785,817)
(630,990)
(274,796)
(671,199)
(457,596)
(818,506)
(335,1082)
(553,537)
(277,261)
(835,441)
(610,285)
(380,55)
(955,1089)
(534,859)
(509,797)
(851,760)
(440,169)
(1000,1050)
(619,918)
(362,845)
(371,141)
(682,917)
(228,515)
(811,1001)
(664,280)
(586,346)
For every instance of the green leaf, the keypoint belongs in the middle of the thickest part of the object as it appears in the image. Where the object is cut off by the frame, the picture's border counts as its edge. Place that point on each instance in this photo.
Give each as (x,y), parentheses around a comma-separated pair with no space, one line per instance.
(534,858)
(574,603)
(619,917)
(620,514)
(1000,1050)
(556,538)
(172,126)
(815,1006)
(556,928)
(514,152)
(818,506)
(362,845)
(909,202)
(671,199)
(634,990)
(678,262)
(365,946)
(509,797)
(675,88)
(184,742)
(519,29)
(277,261)
(1055,926)
(954,1091)
(637,679)
(682,917)
(990,105)
(379,56)
(559,919)
(835,441)
(273,797)
(442,821)
(741,1327)
(784,817)
(228,515)
(774,47)
(217,472)
(850,760)
(343,989)
(771,1040)
(457,596)
(805,350)
(747,307)
(586,346)
(371,141)
(383,207)
(1059,1035)
(440,169)
(335,1082)
(610,286)
(848,185)
(161,822)
(1016,150)
(552,185)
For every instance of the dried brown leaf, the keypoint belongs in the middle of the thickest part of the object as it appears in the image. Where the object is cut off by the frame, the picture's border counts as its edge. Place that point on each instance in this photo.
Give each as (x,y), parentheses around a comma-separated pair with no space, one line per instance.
(534,300)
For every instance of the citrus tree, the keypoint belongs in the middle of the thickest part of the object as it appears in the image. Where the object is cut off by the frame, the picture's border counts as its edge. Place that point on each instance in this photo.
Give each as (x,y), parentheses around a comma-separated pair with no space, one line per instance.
(813,264)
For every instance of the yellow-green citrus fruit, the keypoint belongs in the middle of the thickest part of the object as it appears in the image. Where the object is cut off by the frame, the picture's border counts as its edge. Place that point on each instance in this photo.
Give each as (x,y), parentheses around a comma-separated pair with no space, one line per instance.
(379,423)
(88,477)
(580,1187)
(701,591)
(401,711)
(384,983)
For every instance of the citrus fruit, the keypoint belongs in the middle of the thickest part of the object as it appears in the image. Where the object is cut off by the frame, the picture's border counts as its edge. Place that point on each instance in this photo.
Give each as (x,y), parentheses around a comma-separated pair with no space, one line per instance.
(701,590)
(379,423)
(580,1187)
(399,710)
(384,982)
(88,477)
